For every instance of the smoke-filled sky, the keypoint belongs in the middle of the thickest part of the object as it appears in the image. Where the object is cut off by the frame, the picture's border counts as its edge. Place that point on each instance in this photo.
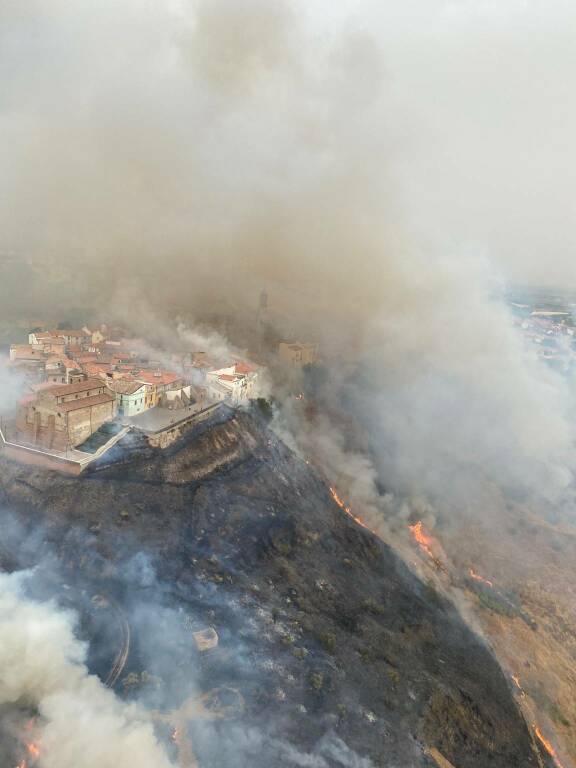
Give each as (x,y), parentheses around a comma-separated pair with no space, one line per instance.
(226,144)
(379,166)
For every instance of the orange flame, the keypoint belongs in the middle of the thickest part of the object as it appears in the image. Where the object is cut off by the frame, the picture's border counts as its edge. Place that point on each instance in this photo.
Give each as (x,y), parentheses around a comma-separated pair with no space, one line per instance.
(421,538)
(33,749)
(479,578)
(349,512)
(34,752)
(425,543)
(547,746)
(518,684)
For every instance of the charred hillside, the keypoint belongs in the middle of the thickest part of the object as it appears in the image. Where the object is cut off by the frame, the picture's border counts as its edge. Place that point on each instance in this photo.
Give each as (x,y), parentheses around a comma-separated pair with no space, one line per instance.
(333,645)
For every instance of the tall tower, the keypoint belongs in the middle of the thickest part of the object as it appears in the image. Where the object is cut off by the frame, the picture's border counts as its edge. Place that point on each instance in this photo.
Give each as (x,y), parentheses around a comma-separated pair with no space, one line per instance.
(261,318)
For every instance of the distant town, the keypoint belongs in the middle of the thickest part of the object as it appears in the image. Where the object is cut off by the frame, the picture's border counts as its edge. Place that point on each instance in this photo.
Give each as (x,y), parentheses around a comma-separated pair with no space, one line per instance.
(82,390)
(548,327)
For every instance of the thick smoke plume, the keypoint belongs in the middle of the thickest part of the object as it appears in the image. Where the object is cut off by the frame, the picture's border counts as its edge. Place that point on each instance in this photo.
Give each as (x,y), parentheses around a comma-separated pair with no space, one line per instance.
(282,142)
(381,168)
(189,152)
(81,724)
(175,157)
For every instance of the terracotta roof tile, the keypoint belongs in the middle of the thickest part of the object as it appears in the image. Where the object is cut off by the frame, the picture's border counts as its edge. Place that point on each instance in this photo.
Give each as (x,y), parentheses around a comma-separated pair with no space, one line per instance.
(125,387)
(157,377)
(83,402)
(72,389)
(244,368)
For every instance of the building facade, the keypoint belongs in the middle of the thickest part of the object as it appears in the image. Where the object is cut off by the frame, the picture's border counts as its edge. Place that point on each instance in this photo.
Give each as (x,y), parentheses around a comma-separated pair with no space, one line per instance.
(236,383)
(160,382)
(296,354)
(132,397)
(66,415)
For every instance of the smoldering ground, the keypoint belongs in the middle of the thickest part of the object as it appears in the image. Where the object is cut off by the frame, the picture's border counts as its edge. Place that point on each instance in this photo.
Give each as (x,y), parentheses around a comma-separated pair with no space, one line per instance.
(60,638)
(42,668)
(190,153)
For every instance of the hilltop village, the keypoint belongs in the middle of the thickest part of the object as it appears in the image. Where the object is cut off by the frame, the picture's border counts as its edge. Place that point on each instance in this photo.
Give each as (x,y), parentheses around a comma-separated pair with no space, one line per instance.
(82,390)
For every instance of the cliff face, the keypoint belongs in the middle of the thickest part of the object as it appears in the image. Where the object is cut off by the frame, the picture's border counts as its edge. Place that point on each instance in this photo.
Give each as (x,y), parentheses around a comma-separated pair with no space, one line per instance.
(337,650)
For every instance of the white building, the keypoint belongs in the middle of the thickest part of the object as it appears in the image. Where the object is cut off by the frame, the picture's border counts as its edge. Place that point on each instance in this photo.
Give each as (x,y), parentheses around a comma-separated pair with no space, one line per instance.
(236,383)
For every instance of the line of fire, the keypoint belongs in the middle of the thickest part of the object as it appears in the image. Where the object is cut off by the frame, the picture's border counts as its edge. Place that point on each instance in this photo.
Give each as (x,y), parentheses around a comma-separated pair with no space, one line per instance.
(470,581)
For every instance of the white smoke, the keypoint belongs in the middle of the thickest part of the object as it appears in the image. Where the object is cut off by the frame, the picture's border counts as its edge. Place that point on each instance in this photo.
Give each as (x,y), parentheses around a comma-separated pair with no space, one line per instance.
(12,387)
(81,723)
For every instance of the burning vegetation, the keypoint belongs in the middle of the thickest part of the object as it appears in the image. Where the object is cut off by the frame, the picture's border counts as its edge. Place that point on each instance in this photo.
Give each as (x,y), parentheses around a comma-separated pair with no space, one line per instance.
(422,539)
(302,603)
(476,577)
(292,178)
(345,508)
(427,544)
(548,748)
(31,746)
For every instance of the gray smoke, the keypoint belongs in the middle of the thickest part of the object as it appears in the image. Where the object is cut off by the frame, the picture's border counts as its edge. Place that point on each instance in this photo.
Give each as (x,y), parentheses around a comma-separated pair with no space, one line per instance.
(42,666)
(383,168)
(182,154)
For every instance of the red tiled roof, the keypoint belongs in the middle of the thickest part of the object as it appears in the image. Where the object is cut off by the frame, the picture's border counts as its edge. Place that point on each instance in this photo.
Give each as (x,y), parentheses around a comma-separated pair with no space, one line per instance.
(244,368)
(59,333)
(83,402)
(62,360)
(72,389)
(26,350)
(96,368)
(157,377)
(228,377)
(125,386)
(45,334)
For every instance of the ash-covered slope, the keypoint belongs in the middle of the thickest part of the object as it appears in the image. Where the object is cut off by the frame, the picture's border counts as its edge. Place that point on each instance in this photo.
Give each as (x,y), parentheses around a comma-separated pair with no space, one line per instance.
(337,649)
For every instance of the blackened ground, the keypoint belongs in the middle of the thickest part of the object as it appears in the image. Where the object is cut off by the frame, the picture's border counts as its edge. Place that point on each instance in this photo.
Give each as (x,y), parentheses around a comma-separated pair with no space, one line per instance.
(323,631)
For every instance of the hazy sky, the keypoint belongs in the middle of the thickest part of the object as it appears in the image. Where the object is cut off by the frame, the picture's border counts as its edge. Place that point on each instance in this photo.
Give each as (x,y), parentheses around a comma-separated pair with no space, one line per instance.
(285,141)
(381,161)
(485,89)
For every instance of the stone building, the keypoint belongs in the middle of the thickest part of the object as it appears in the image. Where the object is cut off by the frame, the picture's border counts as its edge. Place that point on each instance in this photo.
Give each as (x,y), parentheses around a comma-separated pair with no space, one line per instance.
(28,361)
(132,397)
(236,383)
(297,354)
(159,383)
(66,415)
